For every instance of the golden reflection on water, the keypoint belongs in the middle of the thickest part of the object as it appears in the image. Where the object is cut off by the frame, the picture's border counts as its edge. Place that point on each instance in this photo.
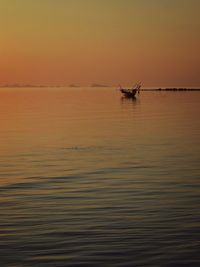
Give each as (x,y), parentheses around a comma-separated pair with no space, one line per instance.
(40,122)
(87,175)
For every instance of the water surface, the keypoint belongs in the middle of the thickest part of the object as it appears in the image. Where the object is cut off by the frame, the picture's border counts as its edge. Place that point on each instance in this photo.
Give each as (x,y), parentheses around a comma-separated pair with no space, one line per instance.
(88,178)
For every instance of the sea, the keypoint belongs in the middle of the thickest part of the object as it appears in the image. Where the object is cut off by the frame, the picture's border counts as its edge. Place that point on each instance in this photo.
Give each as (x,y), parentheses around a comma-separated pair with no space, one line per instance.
(89,178)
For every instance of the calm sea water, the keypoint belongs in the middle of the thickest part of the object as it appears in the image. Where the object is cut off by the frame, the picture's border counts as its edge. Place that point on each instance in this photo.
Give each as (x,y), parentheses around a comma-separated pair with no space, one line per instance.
(88,178)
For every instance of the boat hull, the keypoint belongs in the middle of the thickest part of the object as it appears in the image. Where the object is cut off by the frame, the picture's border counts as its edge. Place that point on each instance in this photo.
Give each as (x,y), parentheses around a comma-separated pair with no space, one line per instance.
(129,93)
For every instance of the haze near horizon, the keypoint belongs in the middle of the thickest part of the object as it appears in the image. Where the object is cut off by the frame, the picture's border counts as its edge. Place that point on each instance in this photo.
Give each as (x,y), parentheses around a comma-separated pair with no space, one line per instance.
(109,42)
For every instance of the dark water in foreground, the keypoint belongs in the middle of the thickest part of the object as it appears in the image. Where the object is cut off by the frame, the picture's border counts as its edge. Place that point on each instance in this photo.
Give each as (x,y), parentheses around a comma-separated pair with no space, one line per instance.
(90,179)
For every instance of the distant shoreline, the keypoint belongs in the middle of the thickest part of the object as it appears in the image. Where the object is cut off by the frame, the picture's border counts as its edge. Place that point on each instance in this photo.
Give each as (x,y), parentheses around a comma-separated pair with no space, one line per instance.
(31,86)
(172,89)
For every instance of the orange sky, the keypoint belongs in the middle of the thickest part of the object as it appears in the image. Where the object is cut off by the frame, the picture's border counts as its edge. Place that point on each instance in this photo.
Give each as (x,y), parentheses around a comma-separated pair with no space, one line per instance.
(100,41)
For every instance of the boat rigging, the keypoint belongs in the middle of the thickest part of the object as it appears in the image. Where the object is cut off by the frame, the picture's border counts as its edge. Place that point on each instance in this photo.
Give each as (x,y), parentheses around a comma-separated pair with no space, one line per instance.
(130,93)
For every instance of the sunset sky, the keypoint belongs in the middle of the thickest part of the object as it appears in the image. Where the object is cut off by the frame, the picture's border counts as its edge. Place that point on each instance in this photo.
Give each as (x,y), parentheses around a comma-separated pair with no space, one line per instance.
(100,41)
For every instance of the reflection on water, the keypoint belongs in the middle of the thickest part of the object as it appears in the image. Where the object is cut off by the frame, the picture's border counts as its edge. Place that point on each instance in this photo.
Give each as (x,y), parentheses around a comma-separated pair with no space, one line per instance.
(92,179)
(126,100)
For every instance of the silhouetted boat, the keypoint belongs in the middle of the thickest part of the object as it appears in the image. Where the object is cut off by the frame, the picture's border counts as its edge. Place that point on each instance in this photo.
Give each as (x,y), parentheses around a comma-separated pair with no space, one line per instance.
(131,92)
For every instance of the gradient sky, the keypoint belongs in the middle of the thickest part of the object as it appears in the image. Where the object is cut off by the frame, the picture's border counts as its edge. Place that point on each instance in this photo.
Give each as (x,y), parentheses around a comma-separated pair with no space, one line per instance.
(100,41)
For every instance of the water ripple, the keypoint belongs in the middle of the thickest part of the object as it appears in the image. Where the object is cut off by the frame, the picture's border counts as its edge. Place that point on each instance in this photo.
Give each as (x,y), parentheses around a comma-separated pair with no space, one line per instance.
(99,181)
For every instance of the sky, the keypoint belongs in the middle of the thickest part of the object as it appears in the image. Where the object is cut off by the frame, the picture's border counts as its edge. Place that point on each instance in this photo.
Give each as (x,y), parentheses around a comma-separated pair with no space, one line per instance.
(100,41)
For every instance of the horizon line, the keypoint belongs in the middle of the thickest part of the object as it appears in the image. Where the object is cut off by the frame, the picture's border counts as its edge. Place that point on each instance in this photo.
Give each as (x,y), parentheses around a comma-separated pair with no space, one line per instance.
(16,85)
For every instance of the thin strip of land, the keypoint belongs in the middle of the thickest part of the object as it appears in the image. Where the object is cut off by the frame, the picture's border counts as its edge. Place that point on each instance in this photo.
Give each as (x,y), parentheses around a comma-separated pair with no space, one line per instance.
(172,89)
